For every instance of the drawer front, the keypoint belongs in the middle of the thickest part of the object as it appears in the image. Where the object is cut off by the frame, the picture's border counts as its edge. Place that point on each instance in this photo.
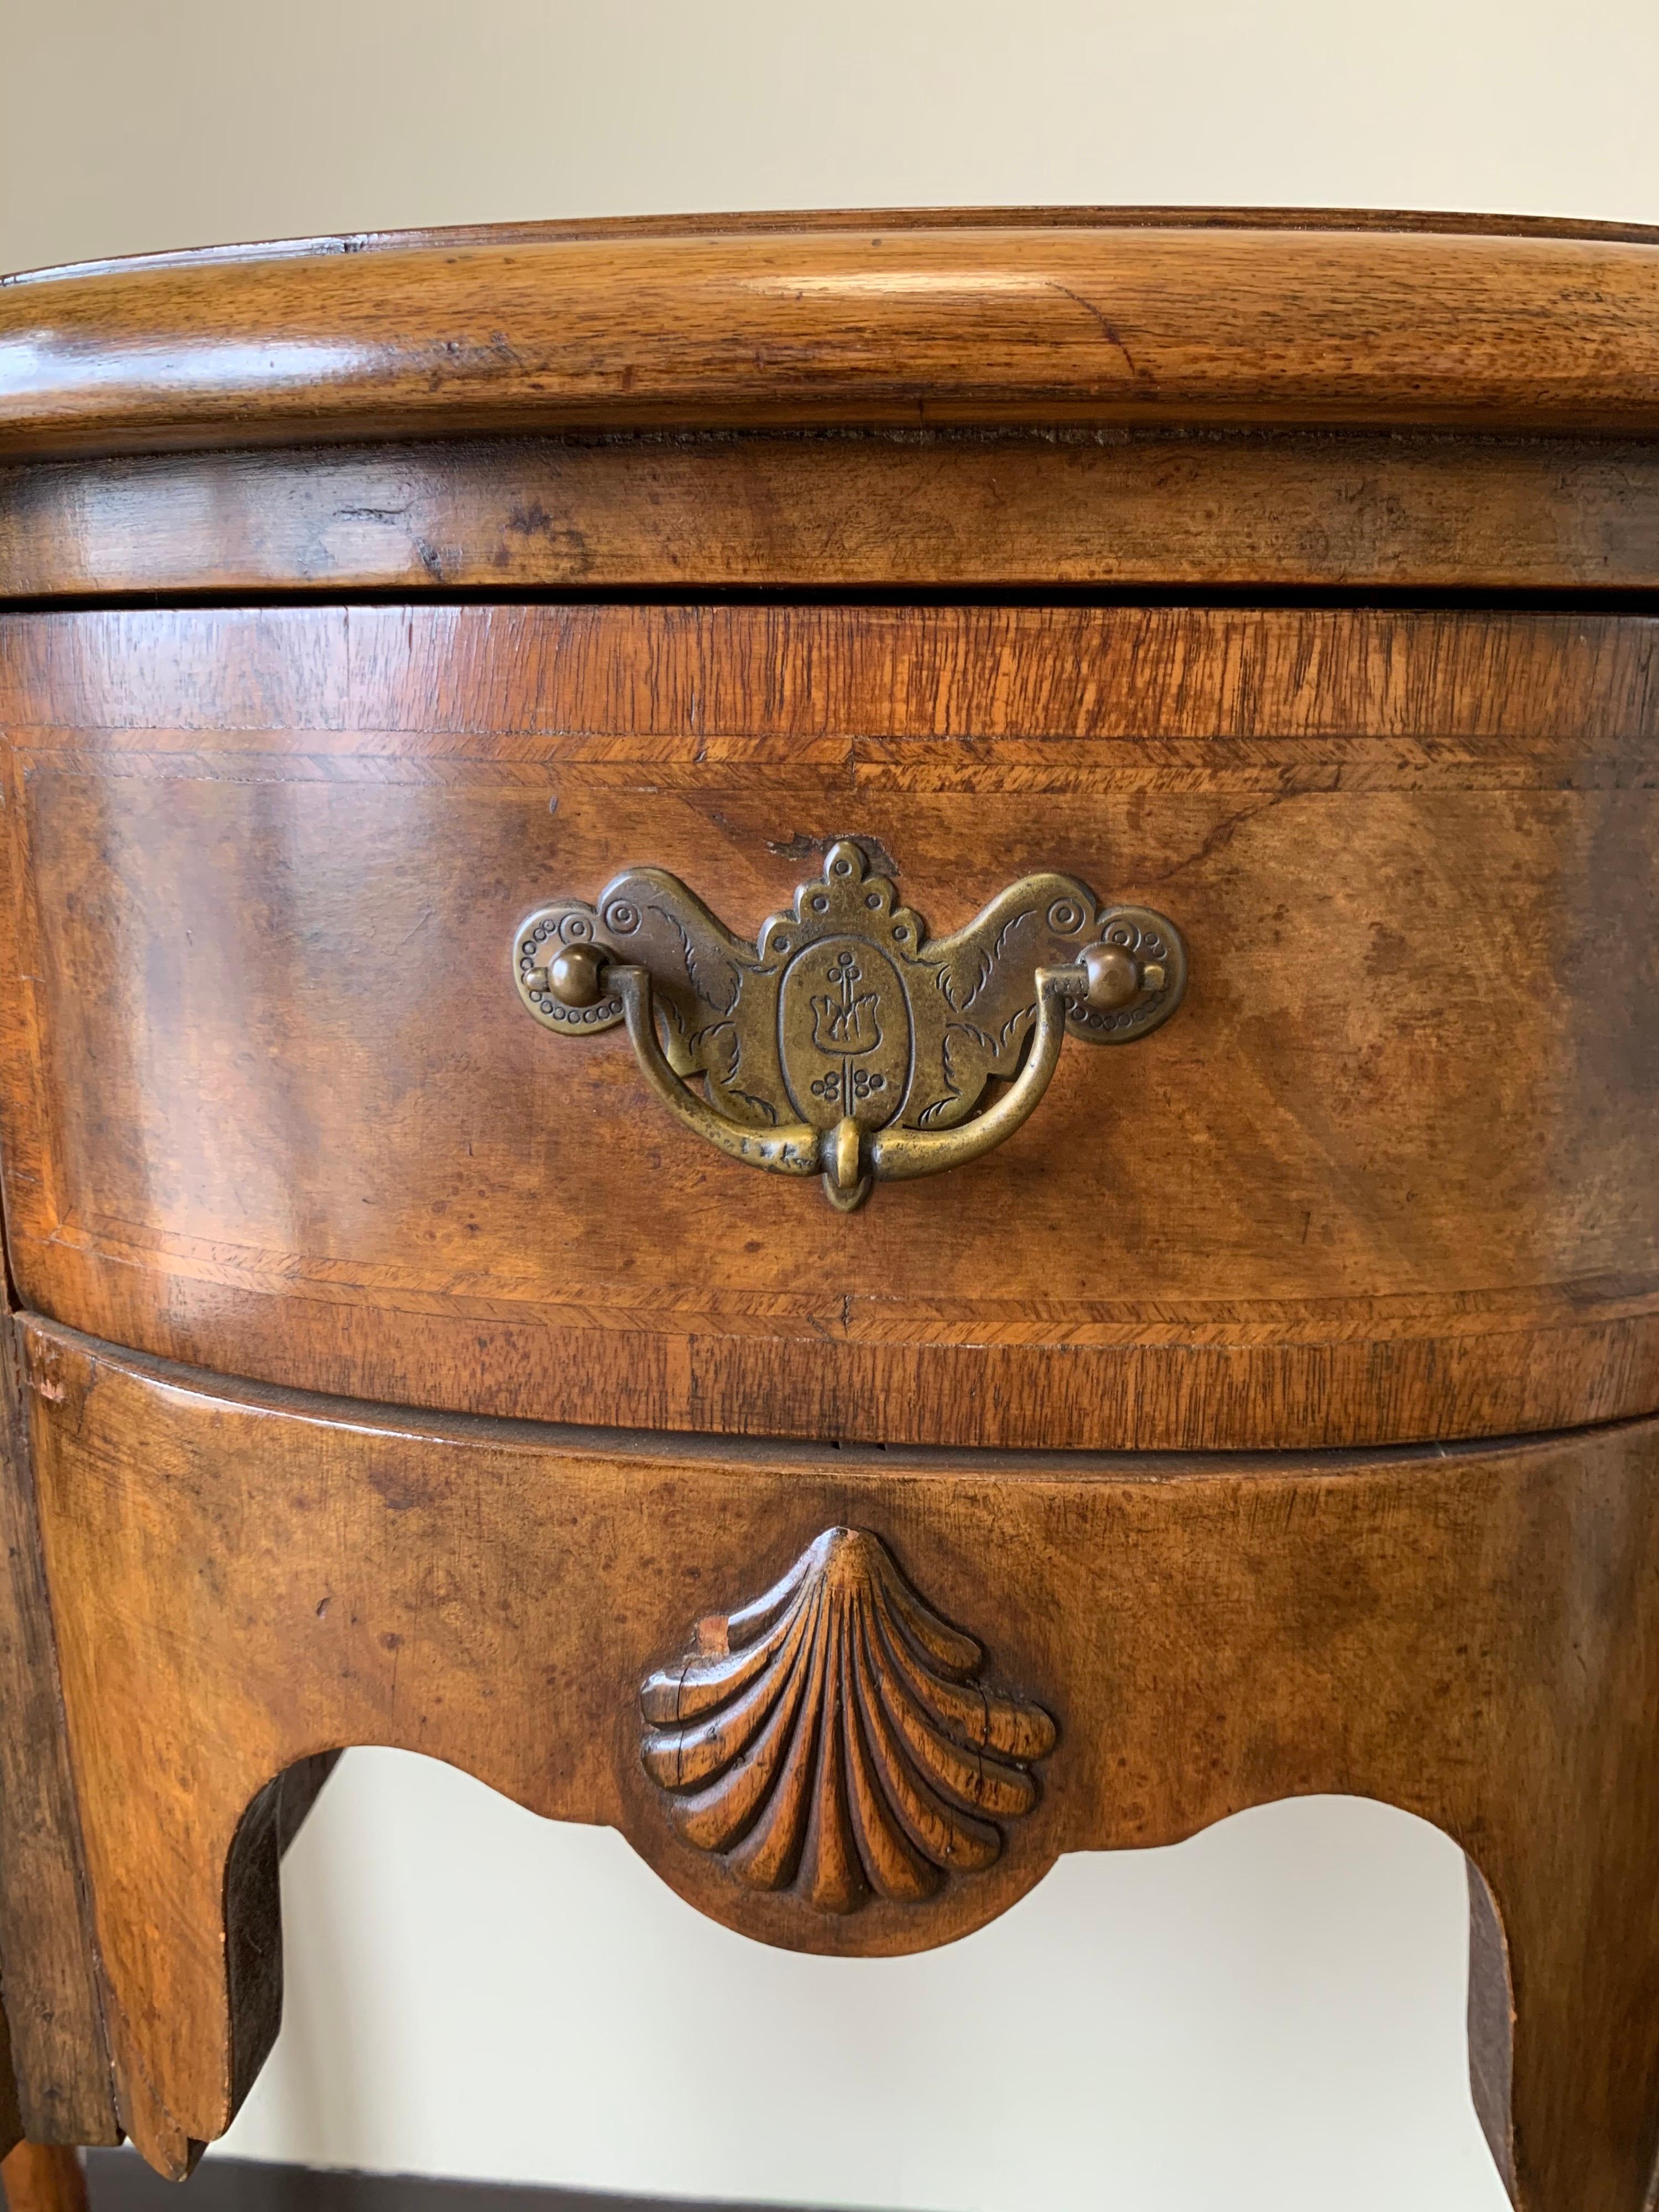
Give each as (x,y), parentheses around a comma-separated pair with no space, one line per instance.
(273,1104)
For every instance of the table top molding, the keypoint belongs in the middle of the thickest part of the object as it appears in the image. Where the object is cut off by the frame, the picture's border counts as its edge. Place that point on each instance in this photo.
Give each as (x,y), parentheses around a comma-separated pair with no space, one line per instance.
(970,320)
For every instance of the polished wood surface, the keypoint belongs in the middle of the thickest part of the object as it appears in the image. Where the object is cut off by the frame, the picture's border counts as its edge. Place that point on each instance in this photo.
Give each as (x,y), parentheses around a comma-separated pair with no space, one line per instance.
(1372,720)
(1470,1634)
(56,2079)
(743,222)
(271,1104)
(44,2177)
(921,511)
(858,322)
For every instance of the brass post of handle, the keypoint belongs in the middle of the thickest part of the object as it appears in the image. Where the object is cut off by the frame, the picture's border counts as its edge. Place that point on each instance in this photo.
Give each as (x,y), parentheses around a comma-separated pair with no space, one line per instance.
(845,1041)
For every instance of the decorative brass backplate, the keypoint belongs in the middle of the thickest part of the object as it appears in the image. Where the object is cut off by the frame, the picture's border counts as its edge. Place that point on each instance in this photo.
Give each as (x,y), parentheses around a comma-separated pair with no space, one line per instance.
(831,1739)
(846,1040)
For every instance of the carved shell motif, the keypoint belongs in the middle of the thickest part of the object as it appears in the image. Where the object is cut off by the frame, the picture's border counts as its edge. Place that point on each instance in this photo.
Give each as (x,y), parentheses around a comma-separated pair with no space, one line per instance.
(831,1738)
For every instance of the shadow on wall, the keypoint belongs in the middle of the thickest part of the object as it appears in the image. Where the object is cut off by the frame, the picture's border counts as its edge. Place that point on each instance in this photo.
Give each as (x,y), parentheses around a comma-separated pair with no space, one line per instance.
(119,2181)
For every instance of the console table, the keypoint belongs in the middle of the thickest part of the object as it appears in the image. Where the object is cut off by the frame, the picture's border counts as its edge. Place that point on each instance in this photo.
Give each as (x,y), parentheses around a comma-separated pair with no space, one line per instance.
(834,1035)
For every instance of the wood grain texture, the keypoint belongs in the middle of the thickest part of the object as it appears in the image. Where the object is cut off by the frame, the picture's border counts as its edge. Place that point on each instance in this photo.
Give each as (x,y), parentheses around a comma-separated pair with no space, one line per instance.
(11,2117)
(742,223)
(919,511)
(57,2075)
(831,1738)
(42,2178)
(241,1579)
(1008,321)
(271,1104)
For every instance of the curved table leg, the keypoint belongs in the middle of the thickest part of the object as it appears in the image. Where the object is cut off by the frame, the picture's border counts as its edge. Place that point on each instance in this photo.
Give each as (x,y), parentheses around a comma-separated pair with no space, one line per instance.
(1563,1977)
(242,1580)
(44,2177)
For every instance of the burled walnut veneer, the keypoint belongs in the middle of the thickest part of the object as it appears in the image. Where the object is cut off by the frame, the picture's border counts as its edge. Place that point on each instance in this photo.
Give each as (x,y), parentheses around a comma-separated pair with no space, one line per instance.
(833,1035)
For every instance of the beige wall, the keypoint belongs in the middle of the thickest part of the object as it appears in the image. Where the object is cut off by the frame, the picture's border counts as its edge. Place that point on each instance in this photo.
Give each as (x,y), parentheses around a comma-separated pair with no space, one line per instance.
(134,124)
(1271,2015)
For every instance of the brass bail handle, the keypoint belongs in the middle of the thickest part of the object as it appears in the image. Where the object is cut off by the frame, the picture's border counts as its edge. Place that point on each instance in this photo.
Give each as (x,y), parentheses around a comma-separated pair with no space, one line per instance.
(845,1041)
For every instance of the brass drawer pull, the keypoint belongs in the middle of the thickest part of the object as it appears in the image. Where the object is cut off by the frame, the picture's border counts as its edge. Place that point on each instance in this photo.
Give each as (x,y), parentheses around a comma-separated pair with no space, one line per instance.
(845,1041)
